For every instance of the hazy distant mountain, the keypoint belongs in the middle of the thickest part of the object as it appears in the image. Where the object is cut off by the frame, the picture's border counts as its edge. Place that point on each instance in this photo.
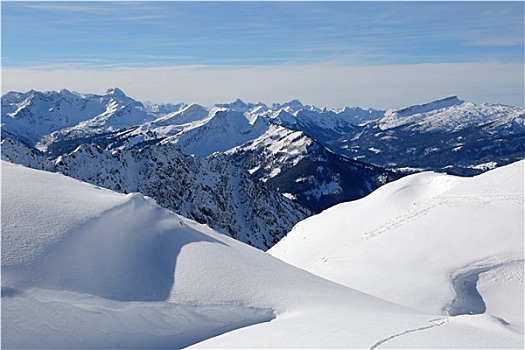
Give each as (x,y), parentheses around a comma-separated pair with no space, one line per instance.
(447,135)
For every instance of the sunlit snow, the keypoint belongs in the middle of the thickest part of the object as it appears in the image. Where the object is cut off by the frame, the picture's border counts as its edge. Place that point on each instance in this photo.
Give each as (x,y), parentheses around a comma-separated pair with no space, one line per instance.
(84,267)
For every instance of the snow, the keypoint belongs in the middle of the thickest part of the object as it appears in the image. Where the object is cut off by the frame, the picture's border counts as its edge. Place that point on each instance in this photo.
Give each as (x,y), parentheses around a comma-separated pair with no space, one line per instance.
(129,273)
(323,188)
(395,118)
(288,147)
(222,130)
(185,115)
(484,166)
(500,284)
(290,196)
(252,170)
(452,114)
(84,267)
(274,172)
(432,242)
(22,239)
(36,115)
(50,319)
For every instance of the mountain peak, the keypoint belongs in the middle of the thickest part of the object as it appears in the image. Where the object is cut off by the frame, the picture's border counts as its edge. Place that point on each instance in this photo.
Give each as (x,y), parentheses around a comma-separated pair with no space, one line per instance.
(119,96)
(115,92)
(293,103)
(430,106)
(240,106)
(238,103)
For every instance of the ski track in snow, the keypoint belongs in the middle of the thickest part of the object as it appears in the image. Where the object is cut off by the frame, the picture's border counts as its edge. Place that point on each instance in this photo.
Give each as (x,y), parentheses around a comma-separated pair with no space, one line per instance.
(468,300)
(434,323)
(485,197)
(423,209)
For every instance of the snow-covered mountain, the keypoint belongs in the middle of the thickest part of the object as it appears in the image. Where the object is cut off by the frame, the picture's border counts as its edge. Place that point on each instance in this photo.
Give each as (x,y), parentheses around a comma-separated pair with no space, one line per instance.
(318,181)
(325,125)
(84,267)
(211,190)
(448,135)
(316,157)
(302,169)
(33,116)
(219,132)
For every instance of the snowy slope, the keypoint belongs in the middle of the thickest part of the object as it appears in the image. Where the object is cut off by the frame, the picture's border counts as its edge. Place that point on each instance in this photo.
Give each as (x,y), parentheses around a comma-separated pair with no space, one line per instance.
(83,267)
(395,118)
(450,135)
(433,242)
(41,118)
(214,190)
(449,114)
(223,130)
(301,168)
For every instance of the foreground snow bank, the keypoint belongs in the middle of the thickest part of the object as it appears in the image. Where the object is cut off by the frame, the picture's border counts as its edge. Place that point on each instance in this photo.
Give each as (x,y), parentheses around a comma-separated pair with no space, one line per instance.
(43,319)
(84,267)
(433,242)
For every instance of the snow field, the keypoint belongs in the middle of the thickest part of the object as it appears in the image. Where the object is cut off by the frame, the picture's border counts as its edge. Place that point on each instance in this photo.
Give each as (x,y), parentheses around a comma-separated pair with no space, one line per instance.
(435,243)
(131,274)
(84,267)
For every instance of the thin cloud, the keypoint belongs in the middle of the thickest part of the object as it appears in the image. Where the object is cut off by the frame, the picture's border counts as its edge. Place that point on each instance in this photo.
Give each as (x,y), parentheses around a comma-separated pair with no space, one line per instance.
(76,7)
(498,41)
(223,32)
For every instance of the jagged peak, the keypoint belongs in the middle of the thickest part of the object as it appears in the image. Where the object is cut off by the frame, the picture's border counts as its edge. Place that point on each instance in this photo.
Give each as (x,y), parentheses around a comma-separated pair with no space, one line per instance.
(120,97)
(115,92)
(237,105)
(191,108)
(294,102)
(239,101)
(89,148)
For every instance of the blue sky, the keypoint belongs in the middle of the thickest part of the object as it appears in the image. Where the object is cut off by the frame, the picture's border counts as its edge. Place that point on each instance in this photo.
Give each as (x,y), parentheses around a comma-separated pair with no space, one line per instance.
(379,54)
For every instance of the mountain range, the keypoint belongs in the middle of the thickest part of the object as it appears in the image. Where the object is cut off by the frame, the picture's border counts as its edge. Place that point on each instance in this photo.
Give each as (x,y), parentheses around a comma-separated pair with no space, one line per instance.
(251,170)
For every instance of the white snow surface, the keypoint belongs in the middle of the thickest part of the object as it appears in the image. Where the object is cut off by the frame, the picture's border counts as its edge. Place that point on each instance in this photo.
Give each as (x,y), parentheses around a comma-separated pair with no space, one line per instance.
(84,267)
(280,147)
(421,240)
(451,114)
(220,131)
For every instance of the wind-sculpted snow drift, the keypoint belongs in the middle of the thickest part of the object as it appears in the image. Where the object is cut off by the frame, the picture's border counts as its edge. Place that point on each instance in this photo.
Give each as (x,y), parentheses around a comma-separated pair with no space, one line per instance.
(213,190)
(84,267)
